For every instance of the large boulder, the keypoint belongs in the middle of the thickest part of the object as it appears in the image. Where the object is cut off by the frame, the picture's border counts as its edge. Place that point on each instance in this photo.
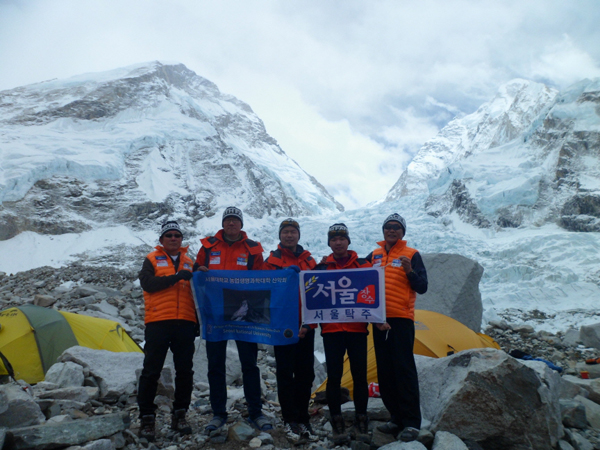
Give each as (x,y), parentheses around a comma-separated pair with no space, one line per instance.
(453,288)
(113,371)
(60,435)
(590,335)
(485,395)
(18,408)
(65,374)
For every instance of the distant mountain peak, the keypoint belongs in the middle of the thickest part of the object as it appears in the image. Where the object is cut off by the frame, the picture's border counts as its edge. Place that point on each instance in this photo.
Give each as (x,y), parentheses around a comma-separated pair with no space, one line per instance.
(531,155)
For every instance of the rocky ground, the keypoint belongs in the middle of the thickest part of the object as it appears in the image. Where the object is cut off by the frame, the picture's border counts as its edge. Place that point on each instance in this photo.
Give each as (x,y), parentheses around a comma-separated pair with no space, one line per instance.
(110,293)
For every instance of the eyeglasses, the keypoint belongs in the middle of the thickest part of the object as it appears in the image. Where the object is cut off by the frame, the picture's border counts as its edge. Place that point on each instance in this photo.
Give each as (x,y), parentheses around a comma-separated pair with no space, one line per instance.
(170,235)
(393,227)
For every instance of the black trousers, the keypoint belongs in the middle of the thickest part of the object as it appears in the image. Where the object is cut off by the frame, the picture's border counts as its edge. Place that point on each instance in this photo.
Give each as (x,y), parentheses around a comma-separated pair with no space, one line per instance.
(397,372)
(216,353)
(336,345)
(179,336)
(295,375)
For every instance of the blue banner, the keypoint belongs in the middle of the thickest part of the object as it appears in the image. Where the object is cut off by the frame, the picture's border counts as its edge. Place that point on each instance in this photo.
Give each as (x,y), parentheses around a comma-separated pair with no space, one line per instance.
(254,306)
(350,295)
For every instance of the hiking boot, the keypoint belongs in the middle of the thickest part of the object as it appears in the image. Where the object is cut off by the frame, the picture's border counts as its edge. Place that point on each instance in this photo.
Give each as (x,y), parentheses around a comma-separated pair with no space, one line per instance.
(389,428)
(292,432)
(338,434)
(147,428)
(361,428)
(307,432)
(179,422)
(409,434)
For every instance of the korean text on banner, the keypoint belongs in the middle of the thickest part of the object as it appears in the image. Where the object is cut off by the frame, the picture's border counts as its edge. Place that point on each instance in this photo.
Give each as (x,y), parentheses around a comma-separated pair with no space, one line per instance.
(254,306)
(353,295)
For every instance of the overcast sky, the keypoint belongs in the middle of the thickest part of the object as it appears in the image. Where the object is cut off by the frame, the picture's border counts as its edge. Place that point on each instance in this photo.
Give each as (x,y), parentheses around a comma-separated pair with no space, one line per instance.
(350,89)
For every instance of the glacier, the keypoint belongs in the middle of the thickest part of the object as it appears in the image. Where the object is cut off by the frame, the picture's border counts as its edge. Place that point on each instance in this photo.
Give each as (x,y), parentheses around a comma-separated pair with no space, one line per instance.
(90,166)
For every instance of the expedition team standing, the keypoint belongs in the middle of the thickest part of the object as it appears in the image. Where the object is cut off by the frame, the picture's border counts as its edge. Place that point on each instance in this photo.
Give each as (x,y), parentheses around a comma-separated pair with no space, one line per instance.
(171,323)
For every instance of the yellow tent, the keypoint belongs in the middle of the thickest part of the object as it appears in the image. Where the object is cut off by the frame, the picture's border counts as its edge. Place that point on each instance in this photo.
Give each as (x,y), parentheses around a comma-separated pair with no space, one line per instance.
(436,336)
(33,337)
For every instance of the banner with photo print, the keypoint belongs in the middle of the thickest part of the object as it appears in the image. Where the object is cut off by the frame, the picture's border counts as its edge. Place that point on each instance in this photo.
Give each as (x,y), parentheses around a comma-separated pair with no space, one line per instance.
(254,306)
(351,295)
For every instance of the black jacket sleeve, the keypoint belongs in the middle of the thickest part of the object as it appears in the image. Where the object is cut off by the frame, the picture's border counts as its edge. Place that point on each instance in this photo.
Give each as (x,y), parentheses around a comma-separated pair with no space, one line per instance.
(370,257)
(150,282)
(418,277)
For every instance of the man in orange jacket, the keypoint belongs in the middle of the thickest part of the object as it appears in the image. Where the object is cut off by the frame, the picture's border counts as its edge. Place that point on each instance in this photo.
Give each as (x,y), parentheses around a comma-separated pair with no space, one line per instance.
(405,277)
(339,338)
(230,249)
(170,324)
(295,362)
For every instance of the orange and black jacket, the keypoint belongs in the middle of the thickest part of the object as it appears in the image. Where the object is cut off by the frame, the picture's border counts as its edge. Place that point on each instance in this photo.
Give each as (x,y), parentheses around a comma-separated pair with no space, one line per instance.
(283,257)
(217,254)
(354,262)
(400,289)
(166,296)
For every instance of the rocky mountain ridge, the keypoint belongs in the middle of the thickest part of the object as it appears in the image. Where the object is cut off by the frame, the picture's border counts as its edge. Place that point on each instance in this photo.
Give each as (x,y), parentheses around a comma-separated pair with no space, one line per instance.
(530,156)
(135,146)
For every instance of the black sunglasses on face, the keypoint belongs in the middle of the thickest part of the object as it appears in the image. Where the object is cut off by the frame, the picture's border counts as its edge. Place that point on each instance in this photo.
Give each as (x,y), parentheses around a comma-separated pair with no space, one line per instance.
(393,227)
(169,236)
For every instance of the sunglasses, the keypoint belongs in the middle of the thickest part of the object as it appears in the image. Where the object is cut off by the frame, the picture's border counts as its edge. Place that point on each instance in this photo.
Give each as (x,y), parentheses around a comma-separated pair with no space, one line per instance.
(393,227)
(170,235)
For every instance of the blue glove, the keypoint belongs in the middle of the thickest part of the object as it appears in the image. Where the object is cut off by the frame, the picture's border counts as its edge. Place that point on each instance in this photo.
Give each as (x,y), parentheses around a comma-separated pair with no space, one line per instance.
(294,268)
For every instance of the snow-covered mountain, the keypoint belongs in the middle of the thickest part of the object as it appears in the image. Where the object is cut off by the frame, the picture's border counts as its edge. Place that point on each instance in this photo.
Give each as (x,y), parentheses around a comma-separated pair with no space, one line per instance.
(530,156)
(90,166)
(136,145)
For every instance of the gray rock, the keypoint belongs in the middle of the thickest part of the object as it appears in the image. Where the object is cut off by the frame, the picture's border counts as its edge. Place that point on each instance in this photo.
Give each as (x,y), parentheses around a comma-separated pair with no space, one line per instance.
(448,441)
(76,393)
(118,440)
(106,308)
(19,409)
(592,387)
(44,300)
(69,433)
(590,335)
(84,291)
(241,431)
(571,338)
(453,288)
(487,396)
(578,441)
(100,444)
(2,429)
(573,414)
(127,313)
(523,329)
(266,438)
(115,371)
(564,445)
(592,411)
(59,419)
(379,439)
(65,374)
(500,324)
(415,445)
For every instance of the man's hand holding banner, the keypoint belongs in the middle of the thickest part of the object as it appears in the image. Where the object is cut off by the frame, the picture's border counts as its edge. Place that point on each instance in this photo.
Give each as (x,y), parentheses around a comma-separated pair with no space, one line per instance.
(253,306)
(354,295)
(262,305)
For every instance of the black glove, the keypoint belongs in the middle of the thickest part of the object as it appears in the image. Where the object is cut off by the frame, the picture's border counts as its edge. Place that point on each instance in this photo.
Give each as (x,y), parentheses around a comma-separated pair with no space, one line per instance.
(185,275)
